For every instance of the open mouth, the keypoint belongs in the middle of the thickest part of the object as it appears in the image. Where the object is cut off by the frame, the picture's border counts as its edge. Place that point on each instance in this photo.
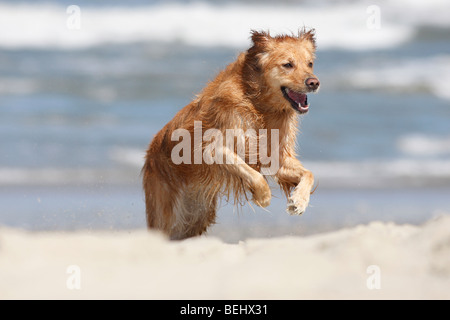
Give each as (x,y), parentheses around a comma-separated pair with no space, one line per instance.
(298,101)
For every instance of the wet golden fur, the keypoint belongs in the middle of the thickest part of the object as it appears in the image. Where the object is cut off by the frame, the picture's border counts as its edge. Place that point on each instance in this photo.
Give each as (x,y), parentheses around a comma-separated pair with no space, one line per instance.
(181,199)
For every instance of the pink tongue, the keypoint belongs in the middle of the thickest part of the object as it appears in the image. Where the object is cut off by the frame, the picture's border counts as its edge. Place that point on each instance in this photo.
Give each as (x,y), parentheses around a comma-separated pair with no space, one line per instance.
(297,97)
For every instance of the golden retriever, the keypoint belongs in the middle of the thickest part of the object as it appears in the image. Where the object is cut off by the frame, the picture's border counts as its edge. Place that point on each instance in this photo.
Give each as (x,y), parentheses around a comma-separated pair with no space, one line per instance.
(240,129)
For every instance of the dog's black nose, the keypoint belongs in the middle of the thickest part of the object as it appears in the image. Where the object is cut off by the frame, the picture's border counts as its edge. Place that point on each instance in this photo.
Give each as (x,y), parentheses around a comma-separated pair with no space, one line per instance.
(312,83)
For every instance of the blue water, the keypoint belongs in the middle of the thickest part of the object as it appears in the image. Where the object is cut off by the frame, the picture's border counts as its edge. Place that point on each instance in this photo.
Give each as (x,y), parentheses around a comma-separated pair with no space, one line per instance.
(75,123)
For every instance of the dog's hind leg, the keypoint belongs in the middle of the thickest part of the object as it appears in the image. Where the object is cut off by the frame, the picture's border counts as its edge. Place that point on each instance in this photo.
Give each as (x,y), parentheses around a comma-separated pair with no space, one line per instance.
(193,214)
(180,212)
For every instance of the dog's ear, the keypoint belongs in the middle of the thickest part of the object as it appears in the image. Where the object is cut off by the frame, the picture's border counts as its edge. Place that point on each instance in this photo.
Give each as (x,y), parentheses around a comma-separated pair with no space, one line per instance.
(261,41)
(309,35)
(260,38)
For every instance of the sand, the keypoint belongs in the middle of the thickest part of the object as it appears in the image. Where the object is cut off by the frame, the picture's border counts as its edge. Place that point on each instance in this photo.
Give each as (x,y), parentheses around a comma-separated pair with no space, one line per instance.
(373,261)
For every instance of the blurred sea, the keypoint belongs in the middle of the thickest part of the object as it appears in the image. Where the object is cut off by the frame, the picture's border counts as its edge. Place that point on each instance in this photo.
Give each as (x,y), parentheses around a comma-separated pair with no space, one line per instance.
(78,107)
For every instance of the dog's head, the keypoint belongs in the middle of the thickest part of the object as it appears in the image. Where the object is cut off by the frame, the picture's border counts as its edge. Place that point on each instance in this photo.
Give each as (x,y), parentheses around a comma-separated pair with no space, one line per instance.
(286,65)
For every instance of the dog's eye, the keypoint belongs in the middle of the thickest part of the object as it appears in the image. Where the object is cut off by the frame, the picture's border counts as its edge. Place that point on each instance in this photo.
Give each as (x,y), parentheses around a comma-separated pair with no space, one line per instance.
(288,65)
(310,64)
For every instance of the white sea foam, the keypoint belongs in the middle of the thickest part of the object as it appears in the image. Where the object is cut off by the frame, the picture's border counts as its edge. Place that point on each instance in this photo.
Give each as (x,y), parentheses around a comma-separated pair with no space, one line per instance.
(419,12)
(382,173)
(342,25)
(128,156)
(431,74)
(20,176)
(369,173)
(424,145)
(17,86)
(374,170)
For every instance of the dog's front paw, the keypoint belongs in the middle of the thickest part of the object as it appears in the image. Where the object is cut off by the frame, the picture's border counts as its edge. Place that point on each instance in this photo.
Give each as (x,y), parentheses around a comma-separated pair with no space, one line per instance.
(297,205)
(262,195)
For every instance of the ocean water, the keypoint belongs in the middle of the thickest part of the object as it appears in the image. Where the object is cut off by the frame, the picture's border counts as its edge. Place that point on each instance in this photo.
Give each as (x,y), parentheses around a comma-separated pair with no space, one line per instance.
(79,104)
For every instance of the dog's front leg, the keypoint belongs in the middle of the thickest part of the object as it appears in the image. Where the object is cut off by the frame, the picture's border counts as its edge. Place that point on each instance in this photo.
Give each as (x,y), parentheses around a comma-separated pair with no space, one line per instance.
(293,174)
(253,180)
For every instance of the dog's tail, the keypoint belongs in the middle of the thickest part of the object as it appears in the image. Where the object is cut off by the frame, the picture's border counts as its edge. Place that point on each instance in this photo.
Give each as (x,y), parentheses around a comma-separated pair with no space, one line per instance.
(158,194)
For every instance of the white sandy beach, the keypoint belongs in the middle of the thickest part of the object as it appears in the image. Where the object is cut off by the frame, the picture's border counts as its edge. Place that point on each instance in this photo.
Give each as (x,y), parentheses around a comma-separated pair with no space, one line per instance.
(411,262)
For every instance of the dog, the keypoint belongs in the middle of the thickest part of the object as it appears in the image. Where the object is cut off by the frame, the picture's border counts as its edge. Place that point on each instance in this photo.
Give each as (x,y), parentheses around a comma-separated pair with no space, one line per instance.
(264,91)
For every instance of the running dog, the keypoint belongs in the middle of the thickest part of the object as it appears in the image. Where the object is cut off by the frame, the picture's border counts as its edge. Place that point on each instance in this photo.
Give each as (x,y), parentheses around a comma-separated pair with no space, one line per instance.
(255,102)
